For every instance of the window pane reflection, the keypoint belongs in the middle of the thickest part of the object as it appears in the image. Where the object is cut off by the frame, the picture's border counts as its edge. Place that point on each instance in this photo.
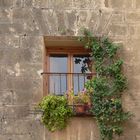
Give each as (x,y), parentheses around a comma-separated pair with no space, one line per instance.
(81,65)
(58,81)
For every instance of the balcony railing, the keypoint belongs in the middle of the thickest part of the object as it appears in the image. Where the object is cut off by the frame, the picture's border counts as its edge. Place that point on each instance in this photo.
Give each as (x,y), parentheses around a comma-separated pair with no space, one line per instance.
(59,83)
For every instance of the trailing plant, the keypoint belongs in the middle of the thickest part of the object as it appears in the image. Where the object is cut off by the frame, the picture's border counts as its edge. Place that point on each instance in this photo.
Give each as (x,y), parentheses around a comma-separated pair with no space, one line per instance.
(56,112)
(82,97)
(80,102)
(108,85)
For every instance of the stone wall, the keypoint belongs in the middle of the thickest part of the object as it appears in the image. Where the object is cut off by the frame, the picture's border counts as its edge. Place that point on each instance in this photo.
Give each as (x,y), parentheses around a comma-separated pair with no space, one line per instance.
(23,23)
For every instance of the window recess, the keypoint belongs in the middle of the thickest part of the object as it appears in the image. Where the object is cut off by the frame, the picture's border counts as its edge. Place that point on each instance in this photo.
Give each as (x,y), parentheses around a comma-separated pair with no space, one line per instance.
(67,65)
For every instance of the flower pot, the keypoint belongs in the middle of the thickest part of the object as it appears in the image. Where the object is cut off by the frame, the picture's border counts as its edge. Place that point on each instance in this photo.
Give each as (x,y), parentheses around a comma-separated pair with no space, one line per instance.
(79,108)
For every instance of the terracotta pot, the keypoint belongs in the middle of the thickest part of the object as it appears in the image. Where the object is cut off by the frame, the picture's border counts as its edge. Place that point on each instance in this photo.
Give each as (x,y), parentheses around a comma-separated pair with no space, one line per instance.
(80,109)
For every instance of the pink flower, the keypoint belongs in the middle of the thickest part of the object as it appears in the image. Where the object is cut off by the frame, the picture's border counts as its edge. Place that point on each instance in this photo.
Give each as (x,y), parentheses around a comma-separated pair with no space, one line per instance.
(84,90)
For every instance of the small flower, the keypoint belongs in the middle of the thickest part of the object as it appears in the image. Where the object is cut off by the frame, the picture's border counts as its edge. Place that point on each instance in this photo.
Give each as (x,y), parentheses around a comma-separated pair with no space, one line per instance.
(84,90)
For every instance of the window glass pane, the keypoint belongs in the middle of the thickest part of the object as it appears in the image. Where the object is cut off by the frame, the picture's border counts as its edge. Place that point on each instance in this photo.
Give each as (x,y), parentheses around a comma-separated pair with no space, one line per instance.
(58,78)
(58,63)
(82,64)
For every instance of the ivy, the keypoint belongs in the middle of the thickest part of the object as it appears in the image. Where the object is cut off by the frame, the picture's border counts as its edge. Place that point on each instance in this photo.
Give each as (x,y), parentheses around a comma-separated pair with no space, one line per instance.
(107,86)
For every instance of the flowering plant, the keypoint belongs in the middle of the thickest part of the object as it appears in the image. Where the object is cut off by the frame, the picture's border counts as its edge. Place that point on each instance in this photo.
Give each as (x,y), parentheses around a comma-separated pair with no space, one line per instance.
(82,97)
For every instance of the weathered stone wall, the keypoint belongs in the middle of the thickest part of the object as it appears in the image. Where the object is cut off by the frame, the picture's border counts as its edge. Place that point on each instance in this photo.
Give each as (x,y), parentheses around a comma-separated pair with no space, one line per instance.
(23,23)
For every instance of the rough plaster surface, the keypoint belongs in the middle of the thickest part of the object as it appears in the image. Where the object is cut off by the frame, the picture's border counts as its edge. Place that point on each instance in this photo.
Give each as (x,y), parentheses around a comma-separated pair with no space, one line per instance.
(23,23)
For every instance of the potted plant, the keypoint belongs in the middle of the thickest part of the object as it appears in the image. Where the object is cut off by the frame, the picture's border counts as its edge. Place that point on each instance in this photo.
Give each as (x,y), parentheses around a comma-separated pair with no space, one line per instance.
(80,102)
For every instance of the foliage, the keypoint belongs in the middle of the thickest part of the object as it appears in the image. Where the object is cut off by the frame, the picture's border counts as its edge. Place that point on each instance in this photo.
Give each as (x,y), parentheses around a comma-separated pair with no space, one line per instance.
(56,112)
(82,97)
(108,85)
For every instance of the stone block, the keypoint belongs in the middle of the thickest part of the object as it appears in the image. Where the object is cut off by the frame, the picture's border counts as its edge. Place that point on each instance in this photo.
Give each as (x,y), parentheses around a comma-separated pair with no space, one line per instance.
(11,28)
(87,4)
(9,56)
(23,70)
(41,20)
(5,15)
(6,97)
(1,113)
(32,49)
(9,137)
(102,21)
(11,3)
(28,3)
(37,96)
(136,110)
(26,17)
(137,4)
(24,14)
(30,55)
(119,138)
(27,55)
(59,4)
(50,18)
(4,85)
(29,89)
(23,97)
(134,31)
(9,84)
(21,137)
(119,4)
(6,3)
(20,14)
(26,84)
(32,42)
(129,137)
(137,31)
(93,20)
(28,96)
(14,56)
(16,112)
(61,22)
(32,70)
(9,41)
(23,127)
(132,53)
(40,3)
(137,137)
(18,3)
(117,17)
(82,18)
(71,19)
(133,17)
(117,30)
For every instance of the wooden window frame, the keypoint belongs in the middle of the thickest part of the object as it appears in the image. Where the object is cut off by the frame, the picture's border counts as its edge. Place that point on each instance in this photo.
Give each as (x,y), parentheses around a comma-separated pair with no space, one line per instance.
(64,45)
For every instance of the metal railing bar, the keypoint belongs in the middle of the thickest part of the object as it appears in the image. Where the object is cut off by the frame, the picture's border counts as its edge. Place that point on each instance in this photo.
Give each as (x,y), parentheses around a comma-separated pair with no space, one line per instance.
(78,83)
(66,82)
(67,73)
(54,87)
(60,84)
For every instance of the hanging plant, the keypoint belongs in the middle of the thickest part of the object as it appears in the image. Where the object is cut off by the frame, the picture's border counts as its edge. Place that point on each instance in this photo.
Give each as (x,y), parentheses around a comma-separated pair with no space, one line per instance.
(108,85)
(56,112)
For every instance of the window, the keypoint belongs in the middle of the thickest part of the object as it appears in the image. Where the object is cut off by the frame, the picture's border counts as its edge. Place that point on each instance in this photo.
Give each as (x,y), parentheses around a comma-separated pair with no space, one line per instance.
(67,67)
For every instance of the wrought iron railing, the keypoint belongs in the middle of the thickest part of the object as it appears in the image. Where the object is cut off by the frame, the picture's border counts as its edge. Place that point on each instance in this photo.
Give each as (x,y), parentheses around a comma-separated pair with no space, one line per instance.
(59,83)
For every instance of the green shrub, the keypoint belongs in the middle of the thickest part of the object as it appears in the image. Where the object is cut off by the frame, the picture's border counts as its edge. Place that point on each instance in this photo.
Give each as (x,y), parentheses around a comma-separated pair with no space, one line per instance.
(56,112)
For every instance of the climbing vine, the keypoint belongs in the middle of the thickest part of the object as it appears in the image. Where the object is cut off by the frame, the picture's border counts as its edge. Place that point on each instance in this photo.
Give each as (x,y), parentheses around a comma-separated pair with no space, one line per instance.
(108,86)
